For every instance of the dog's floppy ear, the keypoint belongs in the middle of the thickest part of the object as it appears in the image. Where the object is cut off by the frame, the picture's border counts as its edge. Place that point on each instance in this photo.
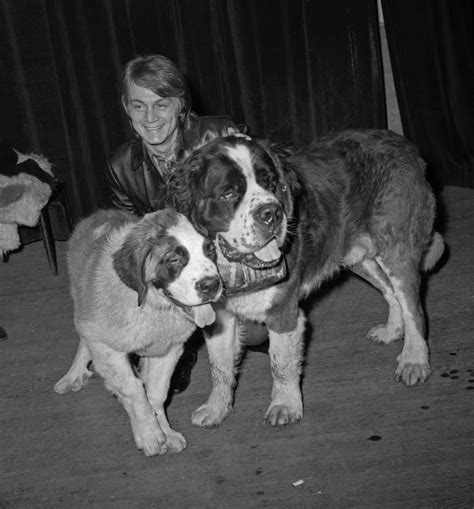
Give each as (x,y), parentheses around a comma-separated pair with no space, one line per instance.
(184,192)
(129,262)
(291,179)
(281,156)
(136,264)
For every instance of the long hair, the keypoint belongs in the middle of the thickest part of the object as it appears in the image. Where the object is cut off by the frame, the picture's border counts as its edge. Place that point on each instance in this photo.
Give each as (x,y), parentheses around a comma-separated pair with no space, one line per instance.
(160,75)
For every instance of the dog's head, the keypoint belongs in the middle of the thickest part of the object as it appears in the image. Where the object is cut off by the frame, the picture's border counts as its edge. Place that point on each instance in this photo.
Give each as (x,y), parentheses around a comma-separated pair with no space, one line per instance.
(165,251)
(235,190)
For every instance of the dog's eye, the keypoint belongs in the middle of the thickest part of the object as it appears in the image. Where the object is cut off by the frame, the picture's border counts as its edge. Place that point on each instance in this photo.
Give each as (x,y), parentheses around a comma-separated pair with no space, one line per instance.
(175,257)
(270,182)
(173,260)
(227,196)
(283,187)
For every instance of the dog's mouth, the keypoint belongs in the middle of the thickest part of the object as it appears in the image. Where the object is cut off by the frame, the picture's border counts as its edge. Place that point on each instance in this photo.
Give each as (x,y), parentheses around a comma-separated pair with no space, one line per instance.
(202,314)
(264,258)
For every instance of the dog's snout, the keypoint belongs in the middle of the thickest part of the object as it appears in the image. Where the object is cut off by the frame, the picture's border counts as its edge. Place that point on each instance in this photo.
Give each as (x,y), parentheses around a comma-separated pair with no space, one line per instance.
(208,287)
(270,215)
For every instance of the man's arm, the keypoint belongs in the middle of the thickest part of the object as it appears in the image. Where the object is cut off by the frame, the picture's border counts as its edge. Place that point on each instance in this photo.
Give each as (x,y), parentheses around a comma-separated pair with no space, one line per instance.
(119,197)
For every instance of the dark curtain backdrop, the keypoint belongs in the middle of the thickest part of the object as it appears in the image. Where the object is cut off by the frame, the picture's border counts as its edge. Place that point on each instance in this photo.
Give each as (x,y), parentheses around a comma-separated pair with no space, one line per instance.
(431,45)
(290,69)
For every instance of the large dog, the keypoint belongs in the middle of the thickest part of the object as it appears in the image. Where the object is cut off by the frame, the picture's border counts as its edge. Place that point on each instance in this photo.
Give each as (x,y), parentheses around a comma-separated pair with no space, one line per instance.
(356,200)
(142,286)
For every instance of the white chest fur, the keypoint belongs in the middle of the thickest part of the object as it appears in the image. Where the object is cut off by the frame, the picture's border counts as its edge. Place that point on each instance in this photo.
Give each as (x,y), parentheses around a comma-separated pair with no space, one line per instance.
(253,305)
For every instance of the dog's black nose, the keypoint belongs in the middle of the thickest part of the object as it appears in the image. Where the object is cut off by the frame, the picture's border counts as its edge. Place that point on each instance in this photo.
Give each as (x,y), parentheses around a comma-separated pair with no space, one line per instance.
(209,286)
(269,215)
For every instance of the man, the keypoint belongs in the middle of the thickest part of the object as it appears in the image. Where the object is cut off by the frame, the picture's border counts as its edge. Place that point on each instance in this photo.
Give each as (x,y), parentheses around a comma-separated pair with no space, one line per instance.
(156,99)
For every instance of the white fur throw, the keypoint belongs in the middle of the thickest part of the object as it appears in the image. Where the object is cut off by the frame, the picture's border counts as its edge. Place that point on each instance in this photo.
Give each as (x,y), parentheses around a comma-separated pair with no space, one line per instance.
(22,197)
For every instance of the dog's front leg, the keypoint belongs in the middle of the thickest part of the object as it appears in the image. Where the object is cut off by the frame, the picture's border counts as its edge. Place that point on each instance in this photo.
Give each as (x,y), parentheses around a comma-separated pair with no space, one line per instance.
(119,378)
(224,347)
(156,373)
(286,355)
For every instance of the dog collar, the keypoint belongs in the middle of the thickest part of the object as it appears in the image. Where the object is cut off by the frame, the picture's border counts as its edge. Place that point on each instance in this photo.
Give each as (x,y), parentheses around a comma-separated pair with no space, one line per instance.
(239,278)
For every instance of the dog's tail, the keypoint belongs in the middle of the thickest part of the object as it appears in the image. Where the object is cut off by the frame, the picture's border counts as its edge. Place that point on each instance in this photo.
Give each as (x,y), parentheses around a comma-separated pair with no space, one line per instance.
(434,252)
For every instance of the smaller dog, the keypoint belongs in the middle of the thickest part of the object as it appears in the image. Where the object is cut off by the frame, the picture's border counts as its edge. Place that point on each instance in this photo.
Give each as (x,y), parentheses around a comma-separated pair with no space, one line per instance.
(139,285)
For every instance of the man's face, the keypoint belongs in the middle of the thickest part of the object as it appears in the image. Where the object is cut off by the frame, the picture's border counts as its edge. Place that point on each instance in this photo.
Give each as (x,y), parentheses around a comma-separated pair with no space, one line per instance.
(154,118)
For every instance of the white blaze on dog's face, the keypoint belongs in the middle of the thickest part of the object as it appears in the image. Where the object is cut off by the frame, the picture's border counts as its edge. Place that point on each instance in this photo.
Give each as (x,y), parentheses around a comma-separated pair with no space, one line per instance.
(258,216)
(198,280)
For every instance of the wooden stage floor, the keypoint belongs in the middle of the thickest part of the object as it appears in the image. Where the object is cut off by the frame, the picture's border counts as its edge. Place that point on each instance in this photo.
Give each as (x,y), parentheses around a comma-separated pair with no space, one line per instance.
(365,440)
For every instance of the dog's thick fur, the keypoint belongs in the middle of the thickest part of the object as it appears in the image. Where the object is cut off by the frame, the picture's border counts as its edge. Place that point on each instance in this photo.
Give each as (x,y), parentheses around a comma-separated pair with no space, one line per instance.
(131,281)
(356,200)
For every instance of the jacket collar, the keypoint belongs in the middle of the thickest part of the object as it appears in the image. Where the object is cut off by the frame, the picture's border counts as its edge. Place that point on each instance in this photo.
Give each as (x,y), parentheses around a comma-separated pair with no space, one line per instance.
(139,154)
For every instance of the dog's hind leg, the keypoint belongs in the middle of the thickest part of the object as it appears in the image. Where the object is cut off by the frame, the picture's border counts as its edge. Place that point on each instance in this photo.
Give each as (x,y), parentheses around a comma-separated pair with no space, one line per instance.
(413,364)
(156,373)
(371,271)
(119,378)
(78,374)
(224,348)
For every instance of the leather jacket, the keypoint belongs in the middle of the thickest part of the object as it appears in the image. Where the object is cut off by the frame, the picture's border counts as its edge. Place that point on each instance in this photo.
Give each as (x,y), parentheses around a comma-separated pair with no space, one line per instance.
(136,184)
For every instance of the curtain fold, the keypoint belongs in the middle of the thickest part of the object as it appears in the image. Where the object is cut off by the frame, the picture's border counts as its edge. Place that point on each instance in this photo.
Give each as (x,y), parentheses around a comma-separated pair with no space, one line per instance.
(290,70)
(431,44)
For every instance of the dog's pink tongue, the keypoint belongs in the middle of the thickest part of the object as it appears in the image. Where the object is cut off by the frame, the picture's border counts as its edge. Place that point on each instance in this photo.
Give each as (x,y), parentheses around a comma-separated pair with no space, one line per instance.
(269,252)
(203,315)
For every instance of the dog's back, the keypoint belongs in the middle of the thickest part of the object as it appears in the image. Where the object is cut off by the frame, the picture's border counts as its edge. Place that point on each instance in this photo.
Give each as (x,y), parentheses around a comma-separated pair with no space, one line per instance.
(86,247)
(91,233)
(373,182)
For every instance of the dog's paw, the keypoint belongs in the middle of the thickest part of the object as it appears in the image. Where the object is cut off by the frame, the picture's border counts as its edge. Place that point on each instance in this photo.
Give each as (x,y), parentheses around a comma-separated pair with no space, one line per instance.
(411,373)
(385,335)
(72,381)
(281,415)
(175,442)
(150,439)
(207,416)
